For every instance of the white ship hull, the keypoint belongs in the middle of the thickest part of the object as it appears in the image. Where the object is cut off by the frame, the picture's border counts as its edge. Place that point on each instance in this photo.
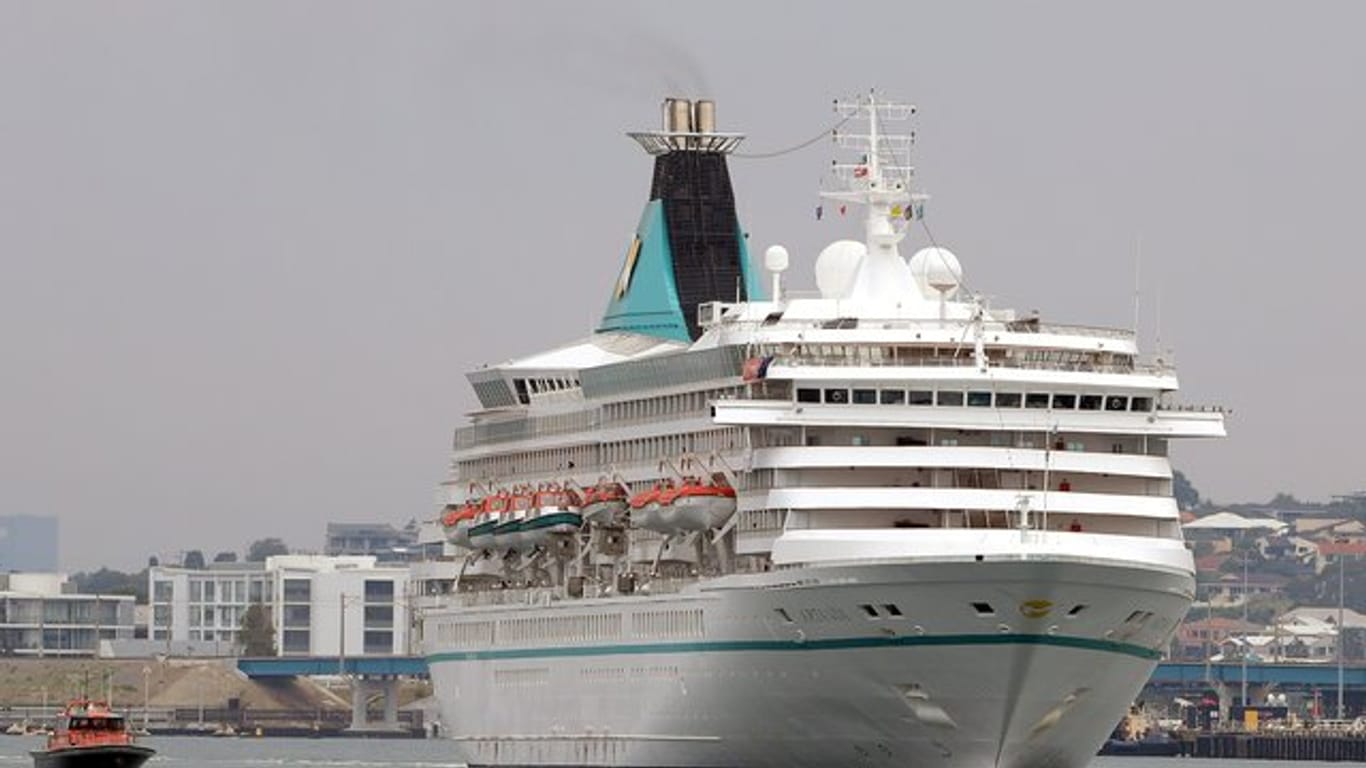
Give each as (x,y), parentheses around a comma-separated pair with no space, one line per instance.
(937,685)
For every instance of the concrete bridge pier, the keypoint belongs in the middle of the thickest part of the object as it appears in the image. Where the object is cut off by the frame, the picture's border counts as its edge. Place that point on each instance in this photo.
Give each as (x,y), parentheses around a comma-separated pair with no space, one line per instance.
(362,689)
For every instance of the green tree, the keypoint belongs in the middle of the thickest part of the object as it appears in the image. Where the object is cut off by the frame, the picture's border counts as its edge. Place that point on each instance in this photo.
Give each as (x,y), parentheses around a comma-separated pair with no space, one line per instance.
(225,557)
(263,548)
(258,634)
(194,560)
(1186,495)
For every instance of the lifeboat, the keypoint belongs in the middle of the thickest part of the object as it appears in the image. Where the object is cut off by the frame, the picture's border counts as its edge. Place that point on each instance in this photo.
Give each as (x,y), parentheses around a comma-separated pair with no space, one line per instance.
(697,506)
(458,520)
(646,510)
(552,511)
(490,513)
(508,534)
(605,504)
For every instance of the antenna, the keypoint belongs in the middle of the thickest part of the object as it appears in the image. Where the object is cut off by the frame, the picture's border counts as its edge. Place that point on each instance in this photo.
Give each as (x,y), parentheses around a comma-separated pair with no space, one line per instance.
(1138,267)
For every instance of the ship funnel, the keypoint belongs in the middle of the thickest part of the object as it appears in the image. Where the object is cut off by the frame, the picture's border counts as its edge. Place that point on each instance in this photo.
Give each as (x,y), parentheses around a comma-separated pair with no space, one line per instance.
(678,116)
(688,248)
(704,116)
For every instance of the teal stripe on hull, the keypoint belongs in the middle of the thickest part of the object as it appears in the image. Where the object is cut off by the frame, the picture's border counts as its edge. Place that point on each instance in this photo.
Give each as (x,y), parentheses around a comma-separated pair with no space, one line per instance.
(547,521)
(720,646)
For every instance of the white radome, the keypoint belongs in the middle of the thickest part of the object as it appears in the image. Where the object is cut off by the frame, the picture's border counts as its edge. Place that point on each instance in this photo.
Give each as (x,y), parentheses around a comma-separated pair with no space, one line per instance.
(938,270)
(837,265)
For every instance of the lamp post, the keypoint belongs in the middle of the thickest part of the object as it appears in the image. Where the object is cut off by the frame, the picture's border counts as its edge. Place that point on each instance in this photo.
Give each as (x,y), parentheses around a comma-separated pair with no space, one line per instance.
(146,693)
(1245,642)
(1342,559)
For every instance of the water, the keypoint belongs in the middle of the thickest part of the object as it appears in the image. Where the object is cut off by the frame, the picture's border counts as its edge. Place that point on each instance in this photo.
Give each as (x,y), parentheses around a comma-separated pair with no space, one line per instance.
(199,751)
(416,753)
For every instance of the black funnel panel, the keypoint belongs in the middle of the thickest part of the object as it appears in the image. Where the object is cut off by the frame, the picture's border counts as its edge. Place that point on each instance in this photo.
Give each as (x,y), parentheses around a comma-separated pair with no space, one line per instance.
(704,232)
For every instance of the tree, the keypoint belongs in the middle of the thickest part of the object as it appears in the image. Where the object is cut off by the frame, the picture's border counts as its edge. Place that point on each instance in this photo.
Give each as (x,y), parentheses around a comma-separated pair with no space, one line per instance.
(258,634)
(263,548)
(110,582)
(1186,495)
(194,560)
(225,557)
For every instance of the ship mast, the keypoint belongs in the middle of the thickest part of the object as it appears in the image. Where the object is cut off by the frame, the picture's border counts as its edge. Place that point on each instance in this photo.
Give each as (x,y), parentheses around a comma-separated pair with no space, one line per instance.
(880,179)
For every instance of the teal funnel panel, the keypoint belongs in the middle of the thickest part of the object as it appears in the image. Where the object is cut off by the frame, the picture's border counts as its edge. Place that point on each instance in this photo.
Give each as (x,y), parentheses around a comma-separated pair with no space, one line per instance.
(645,299)
(754,285)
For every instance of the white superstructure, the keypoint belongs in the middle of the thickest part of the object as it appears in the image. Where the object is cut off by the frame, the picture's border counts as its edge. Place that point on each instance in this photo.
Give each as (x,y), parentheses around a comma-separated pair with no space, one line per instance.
(950,537)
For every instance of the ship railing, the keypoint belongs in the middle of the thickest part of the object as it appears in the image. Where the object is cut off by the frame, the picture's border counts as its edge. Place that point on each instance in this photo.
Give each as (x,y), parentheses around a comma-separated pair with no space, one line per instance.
(533,596)
(965,360)
(1025,325)
(1191,408)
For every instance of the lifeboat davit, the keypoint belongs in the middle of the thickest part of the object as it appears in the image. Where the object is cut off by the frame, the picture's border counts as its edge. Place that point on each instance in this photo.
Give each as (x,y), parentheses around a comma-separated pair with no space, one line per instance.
(458,520)
(697,506)
(552,511)
(508,534)
(605,504)
(490,514)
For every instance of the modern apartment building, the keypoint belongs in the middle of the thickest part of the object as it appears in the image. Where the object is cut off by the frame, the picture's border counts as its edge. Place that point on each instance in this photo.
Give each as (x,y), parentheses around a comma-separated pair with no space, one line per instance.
(318,605)
(42,615)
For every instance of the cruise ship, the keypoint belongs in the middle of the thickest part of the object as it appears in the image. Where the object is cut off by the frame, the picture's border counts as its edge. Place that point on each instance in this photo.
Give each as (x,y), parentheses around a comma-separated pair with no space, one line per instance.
(882,523)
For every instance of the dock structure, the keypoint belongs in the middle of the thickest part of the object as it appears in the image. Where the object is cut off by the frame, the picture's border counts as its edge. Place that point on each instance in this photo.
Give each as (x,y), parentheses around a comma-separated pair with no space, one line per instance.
(370,676)
(1323,746)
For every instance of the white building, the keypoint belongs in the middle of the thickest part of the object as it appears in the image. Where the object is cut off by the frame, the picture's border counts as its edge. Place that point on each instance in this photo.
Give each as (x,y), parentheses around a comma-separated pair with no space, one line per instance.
(314,603)
(42,615)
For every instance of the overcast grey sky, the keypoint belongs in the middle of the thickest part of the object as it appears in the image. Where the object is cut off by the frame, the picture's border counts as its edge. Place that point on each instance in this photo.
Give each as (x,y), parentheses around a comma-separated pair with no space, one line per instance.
(248,250)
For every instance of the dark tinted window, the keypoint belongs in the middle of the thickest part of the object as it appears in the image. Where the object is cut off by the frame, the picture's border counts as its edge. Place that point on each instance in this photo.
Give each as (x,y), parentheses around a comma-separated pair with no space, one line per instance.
(950,397)
(921,397)
(893,396)
(979,399)
(1141,404)
(865,396)
(836,395)
(808,395)
(1008,399)
(1064,402)
(1116,403)
(1036,400)
(1090,402)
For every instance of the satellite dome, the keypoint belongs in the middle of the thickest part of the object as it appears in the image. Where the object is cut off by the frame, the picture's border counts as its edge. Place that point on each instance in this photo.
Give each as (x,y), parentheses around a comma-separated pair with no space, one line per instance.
(775,258)
(937,270)
(836,265)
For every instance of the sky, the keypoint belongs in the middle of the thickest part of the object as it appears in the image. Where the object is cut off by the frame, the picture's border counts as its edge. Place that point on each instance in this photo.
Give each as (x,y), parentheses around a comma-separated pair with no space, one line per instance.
(248,250)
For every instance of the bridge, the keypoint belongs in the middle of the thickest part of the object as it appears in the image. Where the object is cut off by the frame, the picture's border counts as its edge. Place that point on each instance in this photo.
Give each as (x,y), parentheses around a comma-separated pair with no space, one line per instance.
(1191,674)
(370,676)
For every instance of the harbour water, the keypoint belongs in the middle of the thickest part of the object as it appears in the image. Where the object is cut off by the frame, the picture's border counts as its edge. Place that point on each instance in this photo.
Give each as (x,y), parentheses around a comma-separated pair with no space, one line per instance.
(208,752)
(203,752)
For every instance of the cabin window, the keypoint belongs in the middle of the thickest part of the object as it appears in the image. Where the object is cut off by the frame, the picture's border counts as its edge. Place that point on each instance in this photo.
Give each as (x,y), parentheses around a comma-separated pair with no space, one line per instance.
(865,397)
(979,399)
(984,609)
(1143,404)
(1116,403)
(839,396)
(1089,402)
(1008,399)
(950,397)
(1036,400)
(921,397)
(891,609)
(805,395)
(893,396)
(1064,402)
